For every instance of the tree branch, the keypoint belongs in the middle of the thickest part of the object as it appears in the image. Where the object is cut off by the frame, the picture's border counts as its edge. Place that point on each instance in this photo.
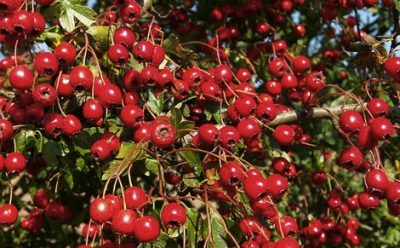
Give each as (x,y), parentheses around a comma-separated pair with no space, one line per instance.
(313,113)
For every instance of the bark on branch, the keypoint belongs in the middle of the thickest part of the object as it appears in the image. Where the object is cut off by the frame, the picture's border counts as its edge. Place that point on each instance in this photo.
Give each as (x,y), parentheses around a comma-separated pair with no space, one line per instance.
(313,113)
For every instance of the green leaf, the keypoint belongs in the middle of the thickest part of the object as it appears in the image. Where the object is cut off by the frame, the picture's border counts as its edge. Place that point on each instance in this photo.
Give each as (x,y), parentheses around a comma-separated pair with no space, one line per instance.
(191,182)
(71,10)
(69,178)
(151,165)
(172,46)
(156,105)
(218,232)
(397,5)
(193,159)
(130,153)
(51,150)
(101,35)
(84,140)
(193,223)
(162,240)
(147,4)
(25,140)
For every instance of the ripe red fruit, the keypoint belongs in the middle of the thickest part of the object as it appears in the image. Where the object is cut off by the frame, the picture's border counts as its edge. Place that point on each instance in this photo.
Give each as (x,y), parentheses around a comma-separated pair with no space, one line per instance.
(101,210)
(382,128)
(123,221)
(250,225)
(277,185)
(351,121)
(286,242)
(81,78)
(243,75)
(146,229)
(130,12)
(284,135)
(65,53)
(392,67)
(158,56)
(353,203)
(249,244)
(315,81)
(289,81)
(368,200)
(319,177)
(64,86)
(208,134)
(109,94)
(299,30)
(21,77)
(229,136)
(163,134)
(173,215)
(101,150)
(263,28)
(255,187)
(71,125)
(135,197)
(2,161)
(46,64)
(124,36)
(143,132)
(44,94)
(223,73)
(301,64)
(143,51)
(376,180)
(10,5)
(266,111)
(89,230)
(231,174)
(350,158)
(8,214)
(6,130)
(245,105)
(58,211)
(248,128)
(131,115)
(15,162)
(39,24)
(22,22)
(273,87)
(41,199)
(112,140)
(52,124)
(286,225)
(393,192)
(92,110)
(378,107)
(365,139)
(277,67)
(118,54)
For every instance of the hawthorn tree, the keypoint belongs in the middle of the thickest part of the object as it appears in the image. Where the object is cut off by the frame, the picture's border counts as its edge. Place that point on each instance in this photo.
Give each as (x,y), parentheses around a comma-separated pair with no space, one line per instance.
(187,123)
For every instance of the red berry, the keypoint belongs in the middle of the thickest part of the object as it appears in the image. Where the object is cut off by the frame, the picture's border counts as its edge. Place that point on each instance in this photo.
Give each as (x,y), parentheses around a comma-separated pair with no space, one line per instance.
(284,135)
(255,187)
(112,140)
(382,128)
(350,158)
(15,162)
(368,200)
(131,115)
(101,210)
(65,53)
(39,24)
(289,81)
(229,136)
(135,197)
(163,134)
(44,94)
(245,105)
(146,229)
(52,124)
(101,150)
(315,81)
(124,36)
(8,214)
(71,125)
(173,215)
(319,177)
(277,67)
(143,51)
(92,110)
(21,77)
(351,121)
(64,86)
(277,185)
(231,174)
(208,134)
(286,225)
(266,111)
(378,107)
(81,78)
(143,132)
(22,21)
(286,242)
(393,192)
(392,67)
(41,199)
(118,54)
(109,94)
(248,128)
(123,221)
(243,75)
(46,64)
(130,12)
(301,64)
(6,130)
(376,180)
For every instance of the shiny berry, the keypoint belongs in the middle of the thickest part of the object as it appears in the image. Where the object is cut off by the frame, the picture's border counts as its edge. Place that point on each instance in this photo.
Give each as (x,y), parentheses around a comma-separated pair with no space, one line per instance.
(15,162)
(173,215)
(146,229)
